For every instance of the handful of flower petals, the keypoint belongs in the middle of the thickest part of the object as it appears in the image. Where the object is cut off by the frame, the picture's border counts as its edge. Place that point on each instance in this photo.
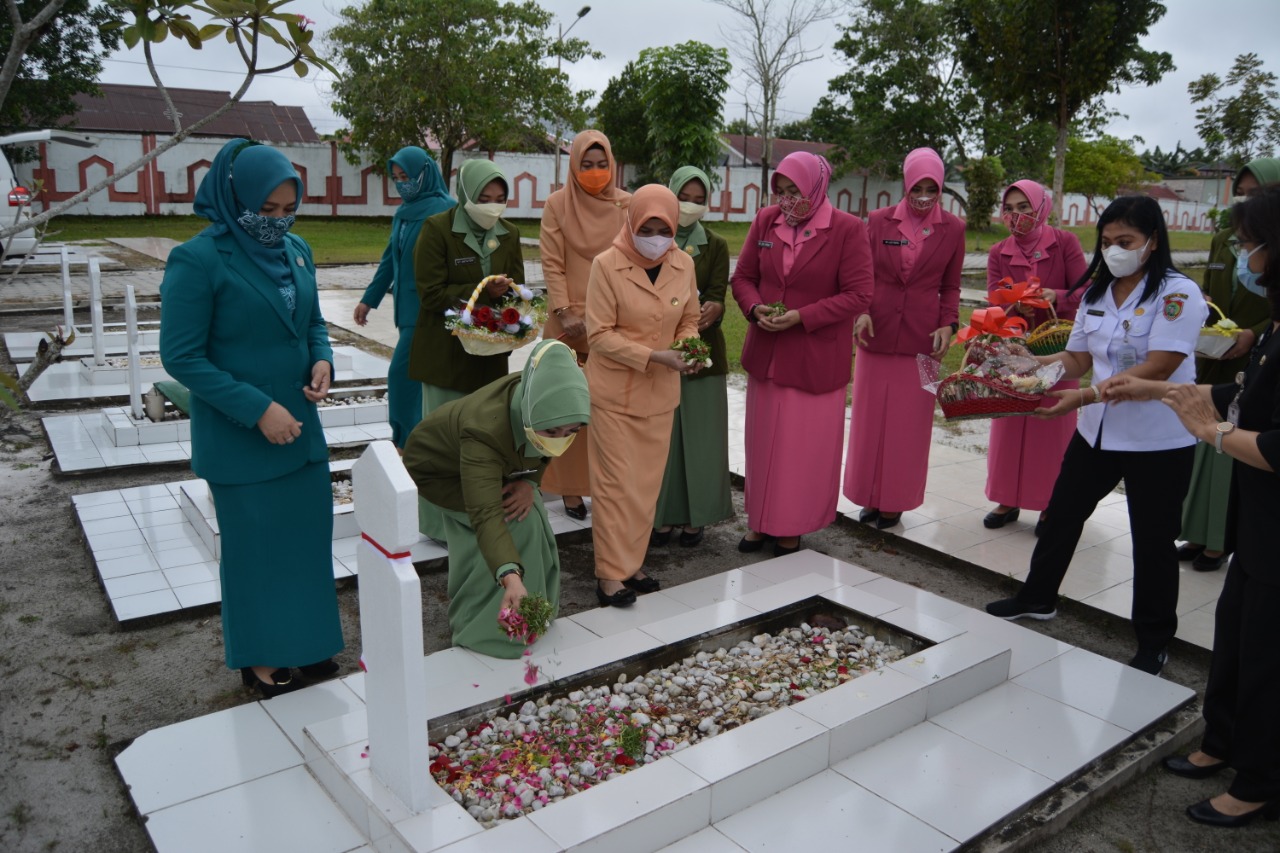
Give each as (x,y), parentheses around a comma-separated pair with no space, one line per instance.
(694,351)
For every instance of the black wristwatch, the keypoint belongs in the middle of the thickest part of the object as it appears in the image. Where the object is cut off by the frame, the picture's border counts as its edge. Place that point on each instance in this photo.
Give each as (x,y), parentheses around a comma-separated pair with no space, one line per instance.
(514,570)
(955,327)
(751,312)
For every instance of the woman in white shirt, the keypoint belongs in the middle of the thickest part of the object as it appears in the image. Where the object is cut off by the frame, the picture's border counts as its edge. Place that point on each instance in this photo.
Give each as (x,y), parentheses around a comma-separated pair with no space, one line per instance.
(1142,317)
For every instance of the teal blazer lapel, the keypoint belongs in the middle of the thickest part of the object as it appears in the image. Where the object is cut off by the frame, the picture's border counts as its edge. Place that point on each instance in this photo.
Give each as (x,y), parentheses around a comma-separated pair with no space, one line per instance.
(305,283)
(257,279)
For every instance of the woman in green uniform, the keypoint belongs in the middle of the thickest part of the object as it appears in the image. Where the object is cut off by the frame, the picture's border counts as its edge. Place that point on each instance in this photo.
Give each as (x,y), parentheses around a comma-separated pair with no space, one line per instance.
(695,488)
(456,250)
(480,461)
(240,326)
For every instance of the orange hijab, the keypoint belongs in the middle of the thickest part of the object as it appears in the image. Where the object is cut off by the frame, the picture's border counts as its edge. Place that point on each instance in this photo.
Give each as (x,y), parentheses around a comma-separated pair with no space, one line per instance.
(652,201)
(589,221)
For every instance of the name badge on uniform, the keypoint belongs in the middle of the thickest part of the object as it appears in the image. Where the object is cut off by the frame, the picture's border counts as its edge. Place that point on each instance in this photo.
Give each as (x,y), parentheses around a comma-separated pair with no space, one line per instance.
(457,262)
(515,474)
(1096,312)
(764,244)
(896,242)
(1217,266)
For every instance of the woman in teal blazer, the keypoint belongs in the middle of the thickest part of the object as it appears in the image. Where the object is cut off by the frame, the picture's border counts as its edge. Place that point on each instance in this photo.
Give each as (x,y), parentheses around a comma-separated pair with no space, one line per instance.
(423,194)
(240,326)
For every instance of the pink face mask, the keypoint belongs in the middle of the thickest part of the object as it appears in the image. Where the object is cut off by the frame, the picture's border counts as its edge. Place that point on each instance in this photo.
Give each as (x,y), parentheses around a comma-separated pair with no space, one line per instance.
(924,203)
(1019,224)
(794,208)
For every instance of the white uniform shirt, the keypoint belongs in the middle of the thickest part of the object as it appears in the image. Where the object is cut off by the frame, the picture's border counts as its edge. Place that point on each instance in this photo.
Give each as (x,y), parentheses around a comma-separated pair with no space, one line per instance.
(1117,338)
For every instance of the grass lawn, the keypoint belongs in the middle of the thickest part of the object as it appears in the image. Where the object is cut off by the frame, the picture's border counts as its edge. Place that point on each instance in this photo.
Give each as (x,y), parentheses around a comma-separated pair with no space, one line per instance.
(1179,241)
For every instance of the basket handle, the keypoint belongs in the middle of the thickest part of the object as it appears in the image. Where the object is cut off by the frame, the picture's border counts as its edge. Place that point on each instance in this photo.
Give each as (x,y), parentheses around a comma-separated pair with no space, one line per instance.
(1221,316)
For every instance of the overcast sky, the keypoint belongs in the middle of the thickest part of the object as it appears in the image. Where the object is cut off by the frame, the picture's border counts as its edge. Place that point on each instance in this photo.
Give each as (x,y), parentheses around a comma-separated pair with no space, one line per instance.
(1202,37)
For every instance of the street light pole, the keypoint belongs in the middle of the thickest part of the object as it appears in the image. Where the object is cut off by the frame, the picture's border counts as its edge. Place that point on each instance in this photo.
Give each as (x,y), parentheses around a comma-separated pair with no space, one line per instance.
(582,13)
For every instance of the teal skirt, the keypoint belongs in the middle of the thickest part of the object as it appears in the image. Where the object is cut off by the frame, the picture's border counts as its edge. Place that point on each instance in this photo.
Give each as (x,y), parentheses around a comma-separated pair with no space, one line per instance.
(695,487)
(474,595)
(279,601)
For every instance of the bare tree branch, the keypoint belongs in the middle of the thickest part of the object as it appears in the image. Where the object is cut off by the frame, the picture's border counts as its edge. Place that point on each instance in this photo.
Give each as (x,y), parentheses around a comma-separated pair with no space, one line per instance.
(164,92)
(23,36)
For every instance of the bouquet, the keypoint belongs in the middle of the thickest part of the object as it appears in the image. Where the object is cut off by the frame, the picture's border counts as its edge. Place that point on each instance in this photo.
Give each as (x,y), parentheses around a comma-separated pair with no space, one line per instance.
(694,351)
(1215,340)
(515,321)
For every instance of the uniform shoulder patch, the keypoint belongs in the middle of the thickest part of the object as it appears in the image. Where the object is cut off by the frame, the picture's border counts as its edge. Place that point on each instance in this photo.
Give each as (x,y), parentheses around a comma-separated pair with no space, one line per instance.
(1173,303)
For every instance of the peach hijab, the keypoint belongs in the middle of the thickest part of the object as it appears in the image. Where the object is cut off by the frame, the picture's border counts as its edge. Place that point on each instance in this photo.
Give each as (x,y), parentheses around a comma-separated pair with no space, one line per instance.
(589,221)
(652,201)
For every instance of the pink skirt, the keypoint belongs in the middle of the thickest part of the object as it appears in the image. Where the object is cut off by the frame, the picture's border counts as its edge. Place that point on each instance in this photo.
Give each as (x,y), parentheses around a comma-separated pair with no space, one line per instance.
(890,433)
(1025,454)
(793,457)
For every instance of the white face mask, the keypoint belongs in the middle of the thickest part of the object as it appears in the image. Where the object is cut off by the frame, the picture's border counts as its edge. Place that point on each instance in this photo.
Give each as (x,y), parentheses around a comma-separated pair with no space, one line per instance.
(485,215)
(652,247)
(1123,262)
(691,213)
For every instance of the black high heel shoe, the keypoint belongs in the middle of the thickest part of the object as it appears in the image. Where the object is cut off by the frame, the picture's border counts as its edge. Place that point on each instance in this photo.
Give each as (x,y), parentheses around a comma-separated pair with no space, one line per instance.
(1204,812)
(884,522)
(282,677)
(622,598)
(780,551)
(868,515)
(579,512)
(321,669)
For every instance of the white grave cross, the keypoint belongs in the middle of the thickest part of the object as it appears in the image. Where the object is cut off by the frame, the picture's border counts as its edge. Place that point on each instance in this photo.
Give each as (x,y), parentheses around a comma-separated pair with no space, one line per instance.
(131,342)
(386,503)
(95,309)
(68,315)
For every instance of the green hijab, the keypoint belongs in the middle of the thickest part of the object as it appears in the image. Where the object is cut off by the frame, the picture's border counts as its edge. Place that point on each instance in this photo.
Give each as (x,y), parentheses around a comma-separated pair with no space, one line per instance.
(552,393)
(693,238)
(1265,169)
(473,177)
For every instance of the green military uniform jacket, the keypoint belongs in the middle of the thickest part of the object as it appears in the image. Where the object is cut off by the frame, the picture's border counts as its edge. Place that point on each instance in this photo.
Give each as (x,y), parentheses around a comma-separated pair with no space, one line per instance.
(447,271)
(226,334)
(1249,310)
(711,268)
(462,454)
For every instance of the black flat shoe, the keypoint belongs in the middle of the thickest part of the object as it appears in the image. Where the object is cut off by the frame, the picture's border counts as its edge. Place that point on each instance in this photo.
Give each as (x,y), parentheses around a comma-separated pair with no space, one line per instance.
(621,598)
(688,540)
(884,522)
(1040,526)
(995,520)
(1150,662)
(658,538)
(644,585)
(779,551)
(1187,552)
(1179,765)
(1204,812)
(579,512)
(322,669)
(750,546)
(283,679)
(1205,563)
(867,516)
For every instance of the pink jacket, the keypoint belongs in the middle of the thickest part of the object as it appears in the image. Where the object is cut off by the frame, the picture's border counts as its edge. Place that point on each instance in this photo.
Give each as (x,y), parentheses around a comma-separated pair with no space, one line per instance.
(829,285)
(906,311)
(1059,267)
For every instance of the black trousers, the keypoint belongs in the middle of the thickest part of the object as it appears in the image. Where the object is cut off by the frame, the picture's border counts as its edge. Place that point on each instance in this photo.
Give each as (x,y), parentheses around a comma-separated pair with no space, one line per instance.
(1242,697)
(1155,483)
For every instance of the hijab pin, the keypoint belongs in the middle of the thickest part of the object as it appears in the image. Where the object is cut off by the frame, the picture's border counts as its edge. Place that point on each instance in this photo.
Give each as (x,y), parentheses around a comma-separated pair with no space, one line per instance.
(926,232)
(299,260)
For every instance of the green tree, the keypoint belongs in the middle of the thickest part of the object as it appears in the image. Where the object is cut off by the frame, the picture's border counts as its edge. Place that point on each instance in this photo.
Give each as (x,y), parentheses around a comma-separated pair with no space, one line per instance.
(1103,167)
(984,179)
(63,61)
(453,69)
(1053,60)
(1173,164)
(663,111)
(1247,122)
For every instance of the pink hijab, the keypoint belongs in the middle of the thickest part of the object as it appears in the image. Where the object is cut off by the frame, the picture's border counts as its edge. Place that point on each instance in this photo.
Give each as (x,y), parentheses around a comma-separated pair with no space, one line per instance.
(920,164)
(812,174)
(1039,198)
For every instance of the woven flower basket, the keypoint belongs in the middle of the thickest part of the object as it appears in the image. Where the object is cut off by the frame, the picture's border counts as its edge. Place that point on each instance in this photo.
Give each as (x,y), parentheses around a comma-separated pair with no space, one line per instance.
(480,341)
(1214,341)
(965,397)
(1050,336)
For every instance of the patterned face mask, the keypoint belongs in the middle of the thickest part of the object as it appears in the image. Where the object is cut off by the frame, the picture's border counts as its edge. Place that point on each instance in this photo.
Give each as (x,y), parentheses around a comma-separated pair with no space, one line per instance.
(794,208)
(1019,224)
(267,230)
(409,190)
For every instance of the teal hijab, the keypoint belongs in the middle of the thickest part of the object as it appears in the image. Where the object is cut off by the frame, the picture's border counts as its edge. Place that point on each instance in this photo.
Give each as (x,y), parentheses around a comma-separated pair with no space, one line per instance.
(693,238)
(432,196)
(241,177)
(473,177)
(552,393)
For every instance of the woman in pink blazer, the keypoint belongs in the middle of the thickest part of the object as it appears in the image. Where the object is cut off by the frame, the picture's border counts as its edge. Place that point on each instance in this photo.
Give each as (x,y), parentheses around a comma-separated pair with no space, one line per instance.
(1025,454)
(813,259)
(919,250)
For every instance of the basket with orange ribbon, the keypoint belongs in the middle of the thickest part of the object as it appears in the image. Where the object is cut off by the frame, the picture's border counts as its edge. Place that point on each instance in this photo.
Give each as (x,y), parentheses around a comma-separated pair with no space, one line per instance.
(998,377)
(492,330)
(1050,336)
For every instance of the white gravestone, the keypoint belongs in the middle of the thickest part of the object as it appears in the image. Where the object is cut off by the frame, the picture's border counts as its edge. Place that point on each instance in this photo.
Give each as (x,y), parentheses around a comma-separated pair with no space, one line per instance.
(131,342)
(68,315)
(95,309)
(386,503)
